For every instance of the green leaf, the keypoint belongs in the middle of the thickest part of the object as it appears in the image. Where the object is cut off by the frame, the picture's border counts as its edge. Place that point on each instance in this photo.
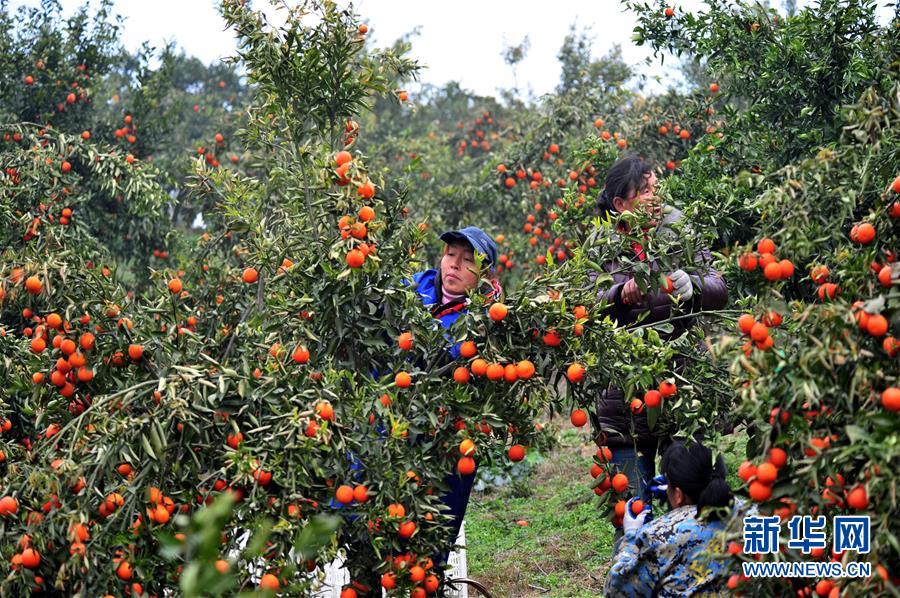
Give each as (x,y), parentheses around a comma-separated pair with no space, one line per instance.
(147,448)
(652,416)
(319,532)
(856,434)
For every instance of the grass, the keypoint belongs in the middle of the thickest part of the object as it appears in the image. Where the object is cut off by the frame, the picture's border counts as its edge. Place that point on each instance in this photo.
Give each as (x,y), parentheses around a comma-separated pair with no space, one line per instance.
(566,546)
(734,448)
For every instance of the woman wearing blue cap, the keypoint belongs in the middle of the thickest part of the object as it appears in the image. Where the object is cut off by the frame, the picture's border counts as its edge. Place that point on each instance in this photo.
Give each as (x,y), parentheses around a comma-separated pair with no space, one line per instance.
(444,290)
(469,255)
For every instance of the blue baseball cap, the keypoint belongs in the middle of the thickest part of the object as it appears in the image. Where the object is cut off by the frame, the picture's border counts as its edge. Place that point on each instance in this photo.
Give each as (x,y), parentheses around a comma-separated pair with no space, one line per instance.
(477,238)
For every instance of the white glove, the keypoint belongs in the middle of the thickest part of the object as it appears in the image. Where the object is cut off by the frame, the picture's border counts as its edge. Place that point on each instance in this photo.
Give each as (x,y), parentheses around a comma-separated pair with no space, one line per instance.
(631,523)
(682,286)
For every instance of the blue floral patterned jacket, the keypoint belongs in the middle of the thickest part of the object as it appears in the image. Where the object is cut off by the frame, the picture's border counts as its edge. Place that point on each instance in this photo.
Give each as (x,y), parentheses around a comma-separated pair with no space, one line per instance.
(669,557)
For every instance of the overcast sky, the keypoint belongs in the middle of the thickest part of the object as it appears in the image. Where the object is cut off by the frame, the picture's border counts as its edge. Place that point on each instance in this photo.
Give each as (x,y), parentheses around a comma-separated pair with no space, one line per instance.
(459,40)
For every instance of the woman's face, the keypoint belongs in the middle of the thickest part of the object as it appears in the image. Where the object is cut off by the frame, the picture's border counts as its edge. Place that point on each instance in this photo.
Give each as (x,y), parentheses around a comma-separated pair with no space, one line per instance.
(643,200)
(458,273)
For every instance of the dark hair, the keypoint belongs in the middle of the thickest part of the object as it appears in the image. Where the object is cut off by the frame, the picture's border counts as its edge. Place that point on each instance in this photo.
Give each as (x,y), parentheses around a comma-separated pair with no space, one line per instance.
(690,466)
(623,178)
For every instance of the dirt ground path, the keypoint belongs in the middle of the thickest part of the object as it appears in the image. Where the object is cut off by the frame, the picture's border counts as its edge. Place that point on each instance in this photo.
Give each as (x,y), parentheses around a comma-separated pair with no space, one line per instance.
(543,535)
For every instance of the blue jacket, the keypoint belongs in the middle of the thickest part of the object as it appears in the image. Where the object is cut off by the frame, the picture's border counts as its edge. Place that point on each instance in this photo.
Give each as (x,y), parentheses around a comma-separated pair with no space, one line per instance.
(673,556)
(457,497)
(427,291)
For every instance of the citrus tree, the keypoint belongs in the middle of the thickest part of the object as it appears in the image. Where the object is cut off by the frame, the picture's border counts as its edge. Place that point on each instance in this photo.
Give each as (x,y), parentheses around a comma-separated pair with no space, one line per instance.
(245,405)
(282,361)
(806,169)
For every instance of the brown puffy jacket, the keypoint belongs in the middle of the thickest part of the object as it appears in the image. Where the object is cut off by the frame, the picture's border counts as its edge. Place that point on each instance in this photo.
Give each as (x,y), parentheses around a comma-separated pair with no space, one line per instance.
(710,292)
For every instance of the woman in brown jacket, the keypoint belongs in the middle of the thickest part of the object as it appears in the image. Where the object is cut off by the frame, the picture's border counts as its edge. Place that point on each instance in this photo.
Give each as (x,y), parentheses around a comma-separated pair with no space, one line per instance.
(630,186)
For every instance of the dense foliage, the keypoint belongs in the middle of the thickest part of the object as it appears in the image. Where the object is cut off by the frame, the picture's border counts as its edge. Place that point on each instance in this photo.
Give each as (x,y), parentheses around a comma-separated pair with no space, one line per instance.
(234,404)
